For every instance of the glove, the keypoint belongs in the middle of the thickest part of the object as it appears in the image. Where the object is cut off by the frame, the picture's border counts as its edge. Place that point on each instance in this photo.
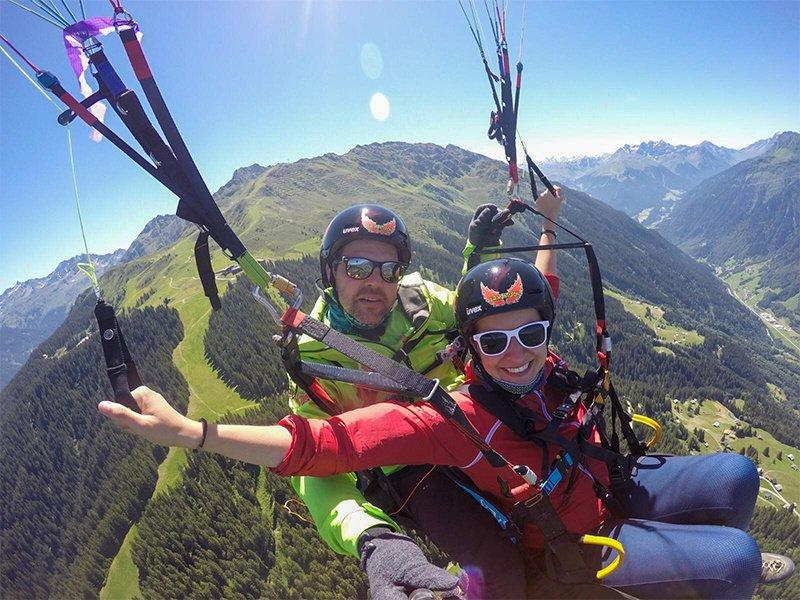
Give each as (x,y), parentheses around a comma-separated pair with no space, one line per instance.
(396,567)
(483,232)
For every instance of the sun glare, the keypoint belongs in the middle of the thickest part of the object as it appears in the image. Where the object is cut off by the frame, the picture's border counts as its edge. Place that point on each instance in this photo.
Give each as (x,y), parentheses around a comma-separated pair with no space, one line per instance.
(371,60)
(379,106)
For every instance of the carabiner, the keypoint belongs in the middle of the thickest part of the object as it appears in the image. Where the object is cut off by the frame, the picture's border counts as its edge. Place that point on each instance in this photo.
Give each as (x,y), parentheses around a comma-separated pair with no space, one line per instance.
(123,19)
(599,540)
(284,286)
(652,424)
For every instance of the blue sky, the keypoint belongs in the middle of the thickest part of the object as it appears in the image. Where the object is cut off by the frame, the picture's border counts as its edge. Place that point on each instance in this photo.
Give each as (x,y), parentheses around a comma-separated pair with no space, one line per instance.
(271,82)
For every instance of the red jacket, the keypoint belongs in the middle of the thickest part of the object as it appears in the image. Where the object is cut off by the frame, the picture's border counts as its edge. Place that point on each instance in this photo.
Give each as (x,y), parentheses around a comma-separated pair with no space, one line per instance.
(401,433)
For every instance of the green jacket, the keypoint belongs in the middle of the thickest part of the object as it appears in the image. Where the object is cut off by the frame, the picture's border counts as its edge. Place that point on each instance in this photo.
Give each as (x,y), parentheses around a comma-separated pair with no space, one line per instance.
(418,323)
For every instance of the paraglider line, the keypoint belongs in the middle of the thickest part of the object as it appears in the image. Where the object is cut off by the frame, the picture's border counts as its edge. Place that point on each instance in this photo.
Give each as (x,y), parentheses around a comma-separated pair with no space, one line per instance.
(49,11)
(492,23)
(522,31)
(30,10)
(50,2)
(69,10)
(89,271)
(52,11)
(22,56)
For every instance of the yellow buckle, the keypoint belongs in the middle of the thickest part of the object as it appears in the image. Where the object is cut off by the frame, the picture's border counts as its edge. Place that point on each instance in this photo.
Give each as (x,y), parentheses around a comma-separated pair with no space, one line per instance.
(652,424)
(599,540)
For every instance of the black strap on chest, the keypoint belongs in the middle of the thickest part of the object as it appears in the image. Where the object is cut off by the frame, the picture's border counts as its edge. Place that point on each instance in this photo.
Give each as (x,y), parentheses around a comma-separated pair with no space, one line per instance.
(576,390)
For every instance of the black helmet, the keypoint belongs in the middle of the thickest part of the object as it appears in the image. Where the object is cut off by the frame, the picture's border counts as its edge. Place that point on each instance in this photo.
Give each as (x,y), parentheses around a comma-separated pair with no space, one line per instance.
(359,222)
(498,286)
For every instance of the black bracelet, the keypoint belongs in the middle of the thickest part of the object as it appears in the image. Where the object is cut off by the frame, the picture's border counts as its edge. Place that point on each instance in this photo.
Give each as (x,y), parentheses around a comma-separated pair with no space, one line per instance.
(550,231)
(205,432)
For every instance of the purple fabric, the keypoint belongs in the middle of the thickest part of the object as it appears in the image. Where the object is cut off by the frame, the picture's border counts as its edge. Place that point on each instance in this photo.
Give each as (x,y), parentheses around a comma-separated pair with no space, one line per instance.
(74,37)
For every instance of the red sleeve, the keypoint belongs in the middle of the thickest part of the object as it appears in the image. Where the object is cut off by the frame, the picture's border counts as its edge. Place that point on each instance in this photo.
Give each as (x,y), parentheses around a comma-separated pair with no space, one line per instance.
(388,433)
(553,280)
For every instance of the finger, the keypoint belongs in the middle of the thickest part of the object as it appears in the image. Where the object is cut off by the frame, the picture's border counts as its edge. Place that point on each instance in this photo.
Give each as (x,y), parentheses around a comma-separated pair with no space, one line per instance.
(120,415)
(501,220)
(483,207)
(139,395)
(484,219)
(433,578)
(500,224)
(485,212)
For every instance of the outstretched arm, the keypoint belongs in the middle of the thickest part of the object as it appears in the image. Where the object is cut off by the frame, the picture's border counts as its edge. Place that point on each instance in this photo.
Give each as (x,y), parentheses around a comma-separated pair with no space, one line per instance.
(162,424)
(393,562)
(550,207)
(381,434)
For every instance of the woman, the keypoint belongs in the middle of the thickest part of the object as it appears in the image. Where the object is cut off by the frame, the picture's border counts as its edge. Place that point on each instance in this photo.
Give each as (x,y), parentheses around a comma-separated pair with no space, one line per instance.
(684,516)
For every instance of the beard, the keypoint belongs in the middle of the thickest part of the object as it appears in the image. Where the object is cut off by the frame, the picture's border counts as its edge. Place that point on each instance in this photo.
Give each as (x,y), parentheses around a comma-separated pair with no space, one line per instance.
(369,307)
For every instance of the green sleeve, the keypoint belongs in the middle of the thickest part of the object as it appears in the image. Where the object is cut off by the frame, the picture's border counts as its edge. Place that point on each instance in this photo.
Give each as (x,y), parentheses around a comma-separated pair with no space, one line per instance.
(339,510)
(470,260)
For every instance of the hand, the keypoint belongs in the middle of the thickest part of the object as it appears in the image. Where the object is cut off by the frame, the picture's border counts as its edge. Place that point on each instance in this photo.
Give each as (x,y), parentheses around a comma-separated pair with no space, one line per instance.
(159,422)
(550,206)
(483,231)
(396,567)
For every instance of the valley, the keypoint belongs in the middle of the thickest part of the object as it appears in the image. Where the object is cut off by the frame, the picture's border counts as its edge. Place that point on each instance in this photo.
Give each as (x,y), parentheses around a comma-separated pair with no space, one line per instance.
(722,431)
(744,285)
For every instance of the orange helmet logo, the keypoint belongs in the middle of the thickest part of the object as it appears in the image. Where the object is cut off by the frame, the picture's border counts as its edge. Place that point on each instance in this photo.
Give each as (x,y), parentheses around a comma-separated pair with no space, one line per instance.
(373,227)
(510,296)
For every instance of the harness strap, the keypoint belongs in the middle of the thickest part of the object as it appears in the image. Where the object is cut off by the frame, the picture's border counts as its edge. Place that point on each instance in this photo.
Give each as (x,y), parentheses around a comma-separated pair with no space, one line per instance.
(507,524)
(367,379)
(564,559)
(68,116)
(636,447)
(414,383)
(131,113)
(205,210)
(202,257)
(521,423)
(50,82)
(120,367)
(305,375)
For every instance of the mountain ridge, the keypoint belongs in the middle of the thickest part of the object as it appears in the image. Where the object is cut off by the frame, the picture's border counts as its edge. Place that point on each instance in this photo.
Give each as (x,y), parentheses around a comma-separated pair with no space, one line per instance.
(645,178)
(749,215)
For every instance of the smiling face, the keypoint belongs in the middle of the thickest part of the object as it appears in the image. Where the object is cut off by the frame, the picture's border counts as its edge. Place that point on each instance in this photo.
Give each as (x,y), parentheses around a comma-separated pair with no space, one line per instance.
(518,364)
(368,300)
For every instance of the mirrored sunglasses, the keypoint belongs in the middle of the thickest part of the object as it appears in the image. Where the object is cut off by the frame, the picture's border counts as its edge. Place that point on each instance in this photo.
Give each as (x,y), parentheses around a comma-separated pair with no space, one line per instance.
(361,268)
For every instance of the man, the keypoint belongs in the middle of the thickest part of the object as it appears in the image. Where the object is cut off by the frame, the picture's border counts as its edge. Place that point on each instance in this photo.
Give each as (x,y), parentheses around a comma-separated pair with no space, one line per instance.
(364,254)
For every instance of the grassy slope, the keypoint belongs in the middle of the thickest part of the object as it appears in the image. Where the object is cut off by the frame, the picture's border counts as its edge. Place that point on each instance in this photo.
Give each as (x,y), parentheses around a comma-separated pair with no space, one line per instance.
(711,412)
(123,576)
(665,331)
(208,396)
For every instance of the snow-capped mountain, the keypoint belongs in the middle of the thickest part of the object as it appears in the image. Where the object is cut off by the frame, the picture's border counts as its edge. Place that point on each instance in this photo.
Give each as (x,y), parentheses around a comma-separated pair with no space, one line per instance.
(645,179)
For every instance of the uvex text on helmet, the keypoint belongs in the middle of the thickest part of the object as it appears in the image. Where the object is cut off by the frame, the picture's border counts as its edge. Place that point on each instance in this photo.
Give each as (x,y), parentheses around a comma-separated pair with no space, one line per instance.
(498,286)
(360,222)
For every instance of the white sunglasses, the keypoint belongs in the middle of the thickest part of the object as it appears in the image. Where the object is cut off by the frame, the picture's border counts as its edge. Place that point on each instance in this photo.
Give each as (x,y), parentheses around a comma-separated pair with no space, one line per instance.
(530,335)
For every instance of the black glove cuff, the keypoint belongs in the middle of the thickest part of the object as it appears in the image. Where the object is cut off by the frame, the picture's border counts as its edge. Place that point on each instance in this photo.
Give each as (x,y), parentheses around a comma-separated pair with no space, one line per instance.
(370,534)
